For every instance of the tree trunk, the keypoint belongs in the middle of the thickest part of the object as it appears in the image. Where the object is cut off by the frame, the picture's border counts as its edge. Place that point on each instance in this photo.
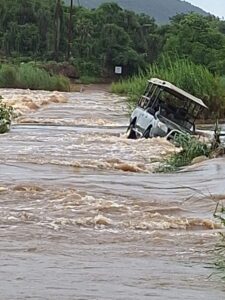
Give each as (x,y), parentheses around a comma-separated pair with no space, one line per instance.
(69,46)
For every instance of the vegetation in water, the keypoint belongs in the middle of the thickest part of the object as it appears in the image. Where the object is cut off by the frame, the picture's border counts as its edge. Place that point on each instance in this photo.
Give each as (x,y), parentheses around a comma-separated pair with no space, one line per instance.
(219,214)
(191,148)
(29,76)
(6,113)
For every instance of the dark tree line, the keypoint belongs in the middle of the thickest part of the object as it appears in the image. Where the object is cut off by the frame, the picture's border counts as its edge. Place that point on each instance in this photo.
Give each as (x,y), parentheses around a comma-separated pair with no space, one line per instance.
(97,40)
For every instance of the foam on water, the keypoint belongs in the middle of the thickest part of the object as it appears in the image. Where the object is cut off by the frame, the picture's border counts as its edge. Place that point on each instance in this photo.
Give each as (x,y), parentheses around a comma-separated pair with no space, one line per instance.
(27,101)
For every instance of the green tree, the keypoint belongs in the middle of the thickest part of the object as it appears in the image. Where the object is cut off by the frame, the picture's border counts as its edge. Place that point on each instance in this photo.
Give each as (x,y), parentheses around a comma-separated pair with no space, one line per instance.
(197,38)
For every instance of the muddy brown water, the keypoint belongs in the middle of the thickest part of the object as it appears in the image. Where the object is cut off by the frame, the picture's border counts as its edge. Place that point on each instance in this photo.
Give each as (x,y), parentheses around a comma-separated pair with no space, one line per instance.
(82,216)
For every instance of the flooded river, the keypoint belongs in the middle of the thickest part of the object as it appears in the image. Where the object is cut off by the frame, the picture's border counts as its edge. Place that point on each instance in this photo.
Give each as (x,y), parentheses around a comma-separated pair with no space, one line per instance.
(83,216)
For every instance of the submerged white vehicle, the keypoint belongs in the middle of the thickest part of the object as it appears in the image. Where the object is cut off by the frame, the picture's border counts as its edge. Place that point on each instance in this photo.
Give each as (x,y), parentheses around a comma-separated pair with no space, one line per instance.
(164,110)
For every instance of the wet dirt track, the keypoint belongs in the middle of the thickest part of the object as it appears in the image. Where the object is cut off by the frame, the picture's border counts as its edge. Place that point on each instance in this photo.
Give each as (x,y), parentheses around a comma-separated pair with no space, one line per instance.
(82,216)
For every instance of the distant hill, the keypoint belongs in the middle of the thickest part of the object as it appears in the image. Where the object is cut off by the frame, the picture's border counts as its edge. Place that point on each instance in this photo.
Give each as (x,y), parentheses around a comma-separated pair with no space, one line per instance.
(160,10)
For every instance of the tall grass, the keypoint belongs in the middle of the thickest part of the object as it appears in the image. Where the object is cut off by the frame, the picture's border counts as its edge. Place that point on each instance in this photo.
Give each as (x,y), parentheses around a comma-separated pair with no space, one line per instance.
(28,76)
(8,76)
(195,79)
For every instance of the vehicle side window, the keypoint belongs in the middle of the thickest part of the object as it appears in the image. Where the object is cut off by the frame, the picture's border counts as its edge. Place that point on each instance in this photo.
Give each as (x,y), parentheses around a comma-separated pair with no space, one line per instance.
(194,109)
(152,96)
(147,98)
(143,101)
(149,90)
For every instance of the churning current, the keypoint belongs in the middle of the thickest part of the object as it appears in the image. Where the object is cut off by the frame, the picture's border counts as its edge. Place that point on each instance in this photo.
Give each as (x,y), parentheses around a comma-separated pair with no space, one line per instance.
(83,216)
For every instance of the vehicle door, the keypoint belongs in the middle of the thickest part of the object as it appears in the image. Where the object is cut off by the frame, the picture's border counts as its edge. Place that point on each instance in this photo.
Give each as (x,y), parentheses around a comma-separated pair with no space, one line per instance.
(145,120)
(147,116)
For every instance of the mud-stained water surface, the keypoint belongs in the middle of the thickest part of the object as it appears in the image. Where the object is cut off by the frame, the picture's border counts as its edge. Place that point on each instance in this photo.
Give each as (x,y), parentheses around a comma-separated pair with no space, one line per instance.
(83,216)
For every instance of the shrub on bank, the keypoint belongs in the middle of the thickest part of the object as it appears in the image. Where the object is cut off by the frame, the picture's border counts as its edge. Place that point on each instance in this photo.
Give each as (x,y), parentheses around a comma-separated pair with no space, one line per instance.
(27,76)
(195,79)
(8,76)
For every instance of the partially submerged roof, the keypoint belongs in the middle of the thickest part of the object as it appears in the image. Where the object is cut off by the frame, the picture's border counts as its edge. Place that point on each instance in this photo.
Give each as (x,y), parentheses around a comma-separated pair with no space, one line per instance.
(177,90)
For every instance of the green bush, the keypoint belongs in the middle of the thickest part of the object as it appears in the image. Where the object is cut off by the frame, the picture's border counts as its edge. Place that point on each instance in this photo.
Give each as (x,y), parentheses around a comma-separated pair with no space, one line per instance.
(8,76)
(59,83)
(87,68)
(34,78)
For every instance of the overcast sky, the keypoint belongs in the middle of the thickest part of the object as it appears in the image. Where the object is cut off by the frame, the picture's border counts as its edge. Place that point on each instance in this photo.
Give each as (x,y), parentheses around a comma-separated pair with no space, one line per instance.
(216,7)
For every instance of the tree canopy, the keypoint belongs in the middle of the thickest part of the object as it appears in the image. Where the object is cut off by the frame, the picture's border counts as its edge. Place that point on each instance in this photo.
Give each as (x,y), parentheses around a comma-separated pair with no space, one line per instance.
(106,36)
(160,10)
(102,38)
(199,38)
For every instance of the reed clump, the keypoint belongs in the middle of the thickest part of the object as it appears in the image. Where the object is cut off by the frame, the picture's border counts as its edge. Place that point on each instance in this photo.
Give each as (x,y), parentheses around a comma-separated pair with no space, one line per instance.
(191,148)
(27,76)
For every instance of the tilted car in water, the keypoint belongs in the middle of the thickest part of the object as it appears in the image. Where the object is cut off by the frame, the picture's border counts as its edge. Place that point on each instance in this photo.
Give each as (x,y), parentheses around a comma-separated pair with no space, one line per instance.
(164,110)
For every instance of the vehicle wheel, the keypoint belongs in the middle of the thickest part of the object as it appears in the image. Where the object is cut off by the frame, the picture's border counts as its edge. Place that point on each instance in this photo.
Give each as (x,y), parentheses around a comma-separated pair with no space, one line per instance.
(131,134)
(147,132)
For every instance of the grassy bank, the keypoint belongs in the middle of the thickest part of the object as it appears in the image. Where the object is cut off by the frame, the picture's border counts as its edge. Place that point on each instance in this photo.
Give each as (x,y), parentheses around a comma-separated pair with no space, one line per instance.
(27,76)
(195,79)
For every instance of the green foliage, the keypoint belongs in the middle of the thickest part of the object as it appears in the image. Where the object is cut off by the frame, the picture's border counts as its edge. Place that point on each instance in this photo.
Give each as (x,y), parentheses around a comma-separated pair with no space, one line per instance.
(191,148)
(28,76)
(60,83)
(198,38)
(28,27)
(8,76)
(133,86)
(101,38)
(87,68)
(161,10)
(195,79)
(6,113)
(110,36)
